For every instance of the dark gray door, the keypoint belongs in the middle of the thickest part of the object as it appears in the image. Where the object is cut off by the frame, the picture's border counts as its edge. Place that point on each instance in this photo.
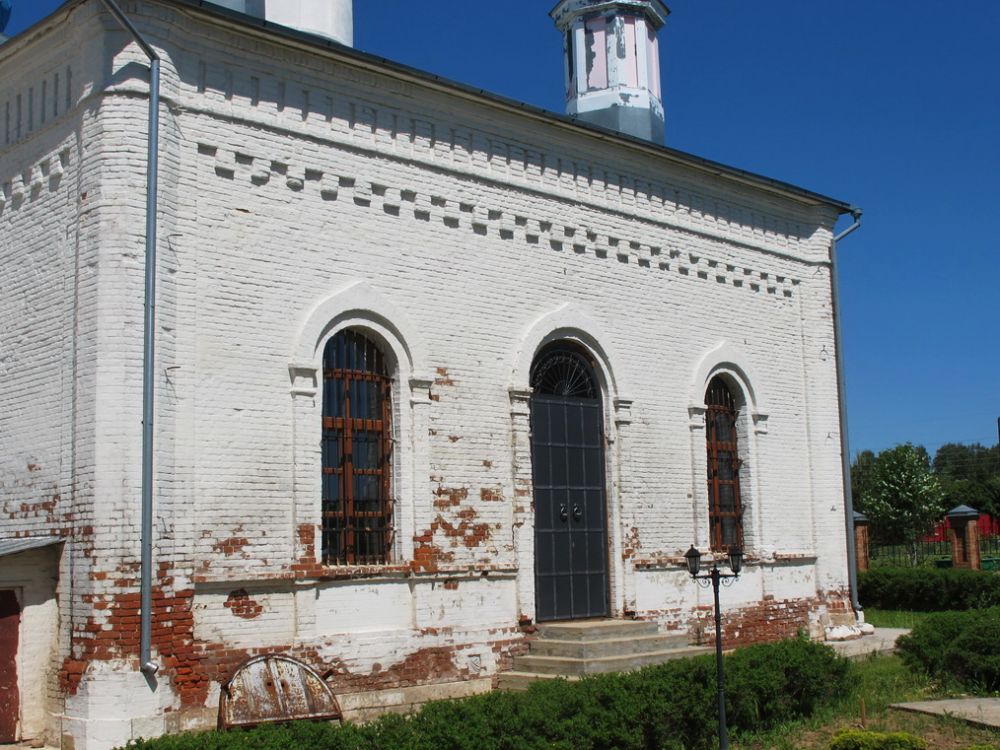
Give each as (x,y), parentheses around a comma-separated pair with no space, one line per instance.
(567,449)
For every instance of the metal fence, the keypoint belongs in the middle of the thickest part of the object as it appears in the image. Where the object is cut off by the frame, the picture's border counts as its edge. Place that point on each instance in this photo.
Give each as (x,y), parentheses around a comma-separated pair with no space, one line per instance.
(923,553)
(886,549)
(989,550)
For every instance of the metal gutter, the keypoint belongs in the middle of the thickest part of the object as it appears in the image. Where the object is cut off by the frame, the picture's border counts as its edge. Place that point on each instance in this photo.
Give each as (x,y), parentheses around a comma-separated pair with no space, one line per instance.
(845,451)
(149,347)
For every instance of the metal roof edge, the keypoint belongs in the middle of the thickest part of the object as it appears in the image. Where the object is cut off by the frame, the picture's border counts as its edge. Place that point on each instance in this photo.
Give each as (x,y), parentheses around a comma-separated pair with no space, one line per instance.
(27,543)
(350,55)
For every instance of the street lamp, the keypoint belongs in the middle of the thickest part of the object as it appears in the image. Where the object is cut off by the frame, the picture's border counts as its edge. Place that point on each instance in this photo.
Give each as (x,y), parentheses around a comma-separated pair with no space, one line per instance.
(714,577)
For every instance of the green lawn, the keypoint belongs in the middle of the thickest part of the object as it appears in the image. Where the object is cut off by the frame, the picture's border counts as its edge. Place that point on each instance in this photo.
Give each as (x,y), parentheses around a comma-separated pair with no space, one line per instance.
(890,618)
(876,683)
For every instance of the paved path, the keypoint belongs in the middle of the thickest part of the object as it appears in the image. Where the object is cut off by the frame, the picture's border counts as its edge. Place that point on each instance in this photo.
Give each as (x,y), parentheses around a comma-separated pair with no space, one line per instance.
(983,712)
(882,641)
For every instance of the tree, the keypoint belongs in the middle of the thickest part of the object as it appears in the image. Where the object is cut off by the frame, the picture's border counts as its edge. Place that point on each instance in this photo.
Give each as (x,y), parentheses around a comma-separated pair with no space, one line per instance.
(904,496)
(862,477)
(970,475)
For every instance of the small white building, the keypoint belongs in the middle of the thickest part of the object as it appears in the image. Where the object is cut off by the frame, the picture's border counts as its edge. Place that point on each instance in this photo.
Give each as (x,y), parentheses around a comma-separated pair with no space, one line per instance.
(432,366)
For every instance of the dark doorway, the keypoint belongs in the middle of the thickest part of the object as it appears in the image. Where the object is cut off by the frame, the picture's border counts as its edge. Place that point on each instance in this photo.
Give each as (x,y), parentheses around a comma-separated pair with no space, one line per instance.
(10,628)
(567,452)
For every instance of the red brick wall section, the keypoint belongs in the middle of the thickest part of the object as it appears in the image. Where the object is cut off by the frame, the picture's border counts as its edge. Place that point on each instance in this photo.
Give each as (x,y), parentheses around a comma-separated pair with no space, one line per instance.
(771,620)
(192,666)
(113,633)
(242,606)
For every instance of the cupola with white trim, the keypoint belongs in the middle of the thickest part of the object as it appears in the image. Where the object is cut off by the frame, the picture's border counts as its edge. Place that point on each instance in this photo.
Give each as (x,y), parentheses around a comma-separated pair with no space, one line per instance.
(613,63)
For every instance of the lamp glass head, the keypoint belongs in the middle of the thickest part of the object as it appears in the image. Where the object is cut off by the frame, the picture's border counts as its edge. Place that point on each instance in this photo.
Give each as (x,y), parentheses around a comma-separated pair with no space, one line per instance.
(693,557)
(736,560)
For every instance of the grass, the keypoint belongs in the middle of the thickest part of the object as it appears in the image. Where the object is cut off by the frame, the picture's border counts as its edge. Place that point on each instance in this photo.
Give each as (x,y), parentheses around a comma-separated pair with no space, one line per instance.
(876,683)
(891,618)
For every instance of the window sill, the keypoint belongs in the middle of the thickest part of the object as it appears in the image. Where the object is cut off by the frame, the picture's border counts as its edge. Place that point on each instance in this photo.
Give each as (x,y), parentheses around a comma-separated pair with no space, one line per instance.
(317,573)
(750,559)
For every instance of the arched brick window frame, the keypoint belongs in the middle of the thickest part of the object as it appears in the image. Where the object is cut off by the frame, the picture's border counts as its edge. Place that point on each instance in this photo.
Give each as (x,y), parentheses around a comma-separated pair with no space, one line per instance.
(733,368)
(361,308)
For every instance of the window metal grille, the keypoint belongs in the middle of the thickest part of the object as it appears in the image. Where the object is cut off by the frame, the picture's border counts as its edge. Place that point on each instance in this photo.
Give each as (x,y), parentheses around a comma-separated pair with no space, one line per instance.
(725,512)
(564,372)
(357,452)
(567,455)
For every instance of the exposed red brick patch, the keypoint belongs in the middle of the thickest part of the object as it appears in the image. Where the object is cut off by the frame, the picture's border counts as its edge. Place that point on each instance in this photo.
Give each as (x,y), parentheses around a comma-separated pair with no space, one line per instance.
(241,605)
(46,506)
(231,546)
(307,538)
(443,378)
(491,495)
(425,665)
(427,557)
(447,497)
(468,533)
(632,543)
(767,620)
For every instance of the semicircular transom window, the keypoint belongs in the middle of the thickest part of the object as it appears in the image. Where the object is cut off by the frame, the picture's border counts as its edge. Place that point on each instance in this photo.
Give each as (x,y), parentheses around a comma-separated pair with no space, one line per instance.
(564,372)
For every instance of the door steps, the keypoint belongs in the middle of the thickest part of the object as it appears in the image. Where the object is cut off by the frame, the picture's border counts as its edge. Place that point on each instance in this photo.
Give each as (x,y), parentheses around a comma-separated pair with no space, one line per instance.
(572,650)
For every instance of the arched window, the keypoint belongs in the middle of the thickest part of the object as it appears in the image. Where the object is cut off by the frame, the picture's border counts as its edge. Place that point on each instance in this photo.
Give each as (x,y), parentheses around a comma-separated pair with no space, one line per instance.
(357,451)
(564,371)
(725,508)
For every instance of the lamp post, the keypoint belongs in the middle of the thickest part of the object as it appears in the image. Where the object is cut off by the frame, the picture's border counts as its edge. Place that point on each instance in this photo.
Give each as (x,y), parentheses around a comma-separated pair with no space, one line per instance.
(715,577)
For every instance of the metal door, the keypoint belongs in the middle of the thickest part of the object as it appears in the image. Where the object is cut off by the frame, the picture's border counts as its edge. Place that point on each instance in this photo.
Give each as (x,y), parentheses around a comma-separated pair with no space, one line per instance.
(567,449)
(10,627)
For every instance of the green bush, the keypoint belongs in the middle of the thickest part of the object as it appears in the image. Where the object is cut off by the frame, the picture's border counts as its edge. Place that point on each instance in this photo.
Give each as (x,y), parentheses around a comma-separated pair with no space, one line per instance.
(959,646)
(667,707)
(929,589)
(769,684)
(858,739)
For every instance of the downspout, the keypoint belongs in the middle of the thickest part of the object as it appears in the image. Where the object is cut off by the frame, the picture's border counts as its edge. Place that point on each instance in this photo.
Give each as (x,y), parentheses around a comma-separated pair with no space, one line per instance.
(147,666)
(845,451)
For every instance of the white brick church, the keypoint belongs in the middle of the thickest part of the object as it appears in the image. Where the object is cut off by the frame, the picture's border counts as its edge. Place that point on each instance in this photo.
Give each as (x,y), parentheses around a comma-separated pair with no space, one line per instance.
(431,367)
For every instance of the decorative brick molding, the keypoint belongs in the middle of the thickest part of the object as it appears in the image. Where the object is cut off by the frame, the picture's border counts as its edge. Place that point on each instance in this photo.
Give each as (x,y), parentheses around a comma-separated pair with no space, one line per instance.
(34,179)
(482,219)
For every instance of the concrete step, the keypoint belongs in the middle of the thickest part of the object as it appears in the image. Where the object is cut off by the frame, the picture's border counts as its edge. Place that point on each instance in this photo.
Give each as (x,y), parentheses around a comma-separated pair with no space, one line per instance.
(561,665)
(595,630)
(591,649)
(520,681)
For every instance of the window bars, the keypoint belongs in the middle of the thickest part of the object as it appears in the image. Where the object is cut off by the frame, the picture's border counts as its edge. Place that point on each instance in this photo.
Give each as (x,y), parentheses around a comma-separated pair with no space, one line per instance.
(725,508)
(357,523)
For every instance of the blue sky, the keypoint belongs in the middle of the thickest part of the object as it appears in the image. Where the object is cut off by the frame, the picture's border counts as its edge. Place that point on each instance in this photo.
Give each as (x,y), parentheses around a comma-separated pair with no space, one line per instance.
(891,105)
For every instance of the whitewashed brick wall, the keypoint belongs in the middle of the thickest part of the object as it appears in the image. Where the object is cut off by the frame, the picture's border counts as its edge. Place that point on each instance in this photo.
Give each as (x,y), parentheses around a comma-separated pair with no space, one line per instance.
(301,192)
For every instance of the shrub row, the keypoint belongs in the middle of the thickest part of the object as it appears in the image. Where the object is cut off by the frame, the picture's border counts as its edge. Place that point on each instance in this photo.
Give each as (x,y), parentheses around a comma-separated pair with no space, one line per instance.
(667,707)
(961,646)
(929,589)
(859,739)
